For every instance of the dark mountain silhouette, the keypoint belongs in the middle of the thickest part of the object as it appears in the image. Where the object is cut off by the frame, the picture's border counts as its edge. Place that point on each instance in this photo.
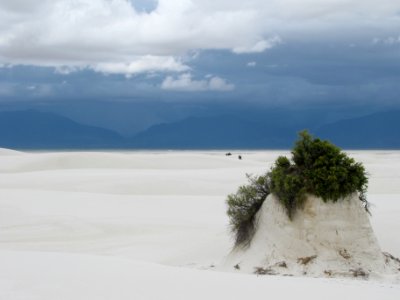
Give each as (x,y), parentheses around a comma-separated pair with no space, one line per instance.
(38,130)
(217,132)
(376,131)
(32,129)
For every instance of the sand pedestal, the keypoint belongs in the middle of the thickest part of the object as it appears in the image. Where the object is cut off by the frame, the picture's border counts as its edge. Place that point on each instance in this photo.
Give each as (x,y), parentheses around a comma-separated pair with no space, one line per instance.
(323,239)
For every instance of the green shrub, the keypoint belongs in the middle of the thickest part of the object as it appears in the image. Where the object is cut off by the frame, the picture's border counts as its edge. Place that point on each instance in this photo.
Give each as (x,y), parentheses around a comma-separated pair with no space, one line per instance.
(243,206)
(317,167)
(328,172)
(287,185)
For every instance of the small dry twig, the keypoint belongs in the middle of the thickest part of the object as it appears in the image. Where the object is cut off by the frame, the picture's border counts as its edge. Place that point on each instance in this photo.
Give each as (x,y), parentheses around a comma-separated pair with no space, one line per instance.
(390,256)
(266,271)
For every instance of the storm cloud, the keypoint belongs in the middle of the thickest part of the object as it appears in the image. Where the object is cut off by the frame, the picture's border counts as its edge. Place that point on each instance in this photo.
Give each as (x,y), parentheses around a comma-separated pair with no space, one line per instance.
(130,37)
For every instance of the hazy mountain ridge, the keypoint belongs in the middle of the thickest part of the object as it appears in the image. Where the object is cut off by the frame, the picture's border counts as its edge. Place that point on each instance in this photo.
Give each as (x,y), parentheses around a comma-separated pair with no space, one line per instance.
(32,129)
(217,132)
(375,131)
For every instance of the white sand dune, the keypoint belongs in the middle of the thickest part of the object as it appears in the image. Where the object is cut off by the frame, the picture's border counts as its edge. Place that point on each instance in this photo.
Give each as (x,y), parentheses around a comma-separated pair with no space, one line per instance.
(141,225)
(81,277)
(4,151)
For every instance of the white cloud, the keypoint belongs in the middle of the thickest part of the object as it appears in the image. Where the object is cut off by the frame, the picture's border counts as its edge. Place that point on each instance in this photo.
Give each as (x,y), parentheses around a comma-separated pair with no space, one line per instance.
(143,64)
(66,70)
(259,46)
(251,64)
(220,84)
(112,36)
(185,82)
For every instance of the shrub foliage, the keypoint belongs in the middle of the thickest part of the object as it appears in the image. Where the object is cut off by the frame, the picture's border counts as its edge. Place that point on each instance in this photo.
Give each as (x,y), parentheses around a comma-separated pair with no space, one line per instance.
(243,206)
(317,167)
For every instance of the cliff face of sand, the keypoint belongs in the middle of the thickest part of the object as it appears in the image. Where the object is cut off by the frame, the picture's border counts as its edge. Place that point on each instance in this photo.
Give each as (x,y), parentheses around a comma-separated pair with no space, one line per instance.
(323,239)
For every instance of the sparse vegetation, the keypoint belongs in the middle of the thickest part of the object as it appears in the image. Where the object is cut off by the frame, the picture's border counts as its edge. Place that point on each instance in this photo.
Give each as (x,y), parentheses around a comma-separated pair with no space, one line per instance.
(264,271)
(359,273)
(243,206)
(317,167)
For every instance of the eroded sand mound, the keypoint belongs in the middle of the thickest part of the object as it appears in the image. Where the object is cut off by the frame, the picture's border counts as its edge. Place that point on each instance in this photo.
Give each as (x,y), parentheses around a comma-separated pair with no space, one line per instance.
(323,239)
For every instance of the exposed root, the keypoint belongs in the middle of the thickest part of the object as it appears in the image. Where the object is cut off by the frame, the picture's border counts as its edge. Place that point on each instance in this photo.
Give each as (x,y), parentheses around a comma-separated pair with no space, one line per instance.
(306,260)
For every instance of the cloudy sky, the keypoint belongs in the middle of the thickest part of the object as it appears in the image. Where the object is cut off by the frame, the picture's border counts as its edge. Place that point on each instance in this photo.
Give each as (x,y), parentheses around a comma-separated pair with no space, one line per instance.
(128,64)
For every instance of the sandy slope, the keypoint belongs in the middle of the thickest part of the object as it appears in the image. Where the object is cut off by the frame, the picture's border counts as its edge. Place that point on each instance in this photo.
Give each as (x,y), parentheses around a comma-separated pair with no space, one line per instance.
(143,226)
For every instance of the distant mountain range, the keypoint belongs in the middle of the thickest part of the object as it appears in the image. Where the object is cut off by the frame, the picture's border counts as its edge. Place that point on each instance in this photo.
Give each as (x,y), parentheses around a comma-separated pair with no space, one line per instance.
(218,132)
(376,131)
(32,129)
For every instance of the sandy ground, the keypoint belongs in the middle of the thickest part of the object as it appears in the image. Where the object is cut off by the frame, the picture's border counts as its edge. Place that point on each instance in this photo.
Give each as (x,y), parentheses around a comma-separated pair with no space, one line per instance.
(152,225)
